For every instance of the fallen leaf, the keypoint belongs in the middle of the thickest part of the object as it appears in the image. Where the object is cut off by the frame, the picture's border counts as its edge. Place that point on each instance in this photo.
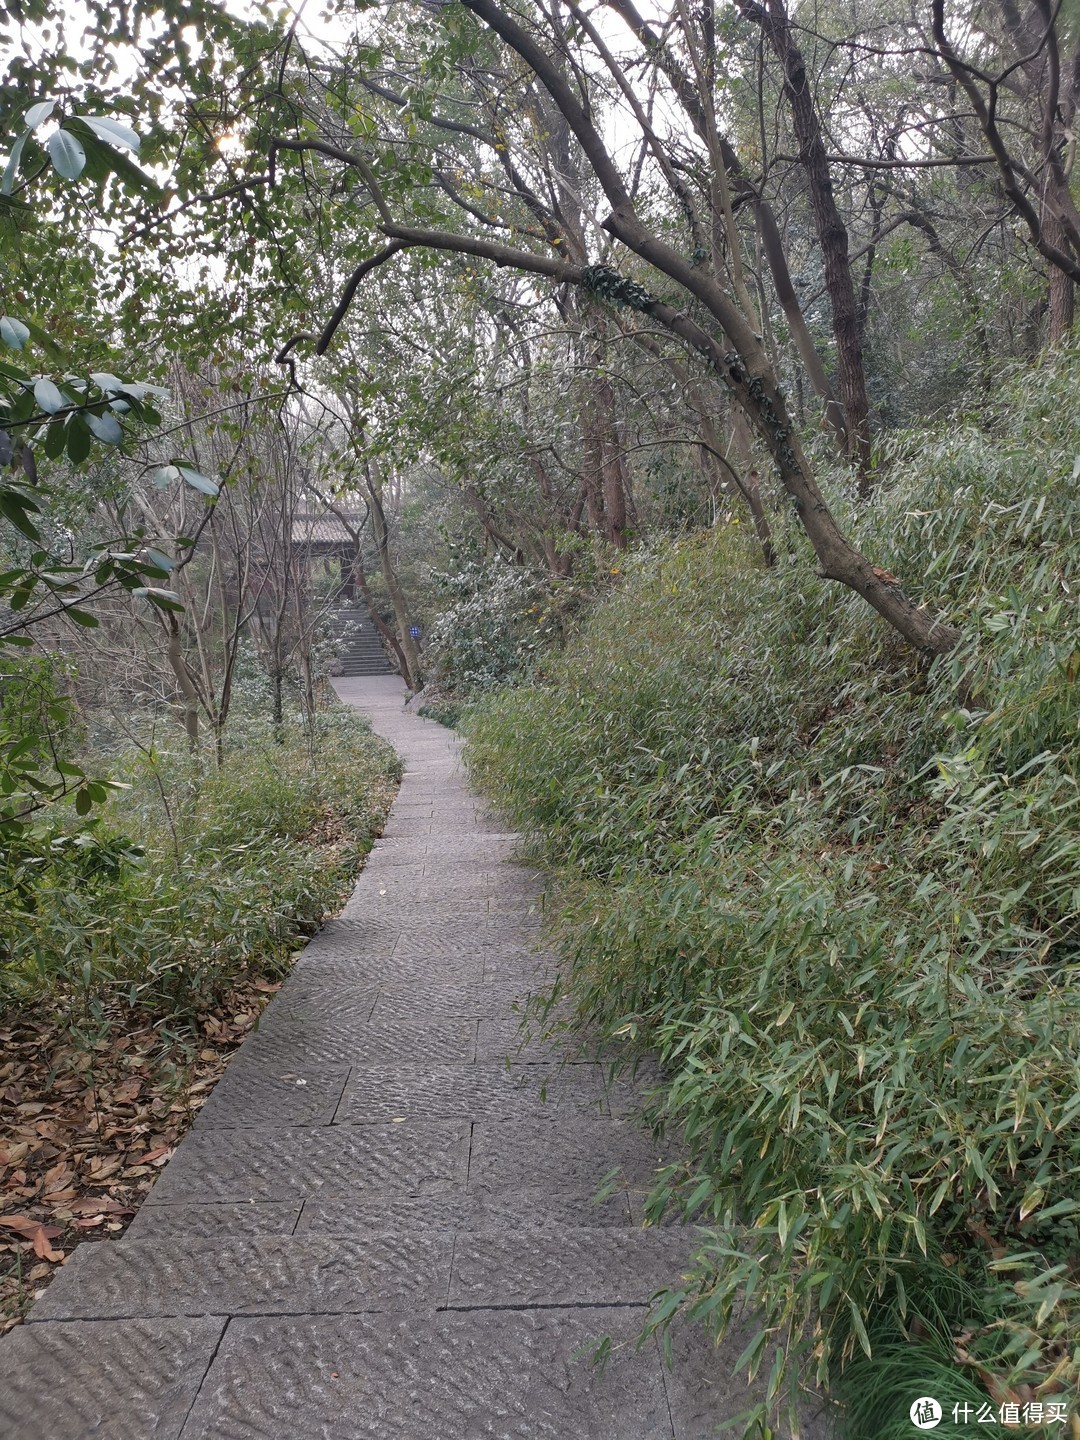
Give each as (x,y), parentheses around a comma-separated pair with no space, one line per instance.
(59,1197)
(24,1225)
(152,1155)
(42,1248)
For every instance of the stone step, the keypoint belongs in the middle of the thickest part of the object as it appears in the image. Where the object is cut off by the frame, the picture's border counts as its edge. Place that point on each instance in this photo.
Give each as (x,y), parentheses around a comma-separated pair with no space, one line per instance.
(358,668)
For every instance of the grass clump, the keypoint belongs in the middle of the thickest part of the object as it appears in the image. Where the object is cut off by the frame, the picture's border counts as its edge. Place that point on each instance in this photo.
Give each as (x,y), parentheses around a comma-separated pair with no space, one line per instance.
(196,874)
(839,894)
(443,712)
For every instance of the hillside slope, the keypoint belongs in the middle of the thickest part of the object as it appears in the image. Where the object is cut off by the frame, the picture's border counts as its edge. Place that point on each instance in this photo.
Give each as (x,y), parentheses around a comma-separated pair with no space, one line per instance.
(839,893)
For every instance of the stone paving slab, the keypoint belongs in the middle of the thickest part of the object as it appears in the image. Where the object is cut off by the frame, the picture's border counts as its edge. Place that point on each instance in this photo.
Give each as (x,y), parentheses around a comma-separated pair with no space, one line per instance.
(404,968)
(479,1376)
(194,1222)
(477,1000)
(508,1039)
(535,1207)
(522,1154)
(294,1094)
(354,1002)
(107,1380)
(364,933)
(522,1269)
(254,1275)
(337,1161)
(705,1388)
(414,1039)
(471,1092)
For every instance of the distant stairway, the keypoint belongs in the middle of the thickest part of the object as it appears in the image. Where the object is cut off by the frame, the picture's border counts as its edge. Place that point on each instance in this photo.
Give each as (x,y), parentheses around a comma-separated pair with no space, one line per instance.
(359,650)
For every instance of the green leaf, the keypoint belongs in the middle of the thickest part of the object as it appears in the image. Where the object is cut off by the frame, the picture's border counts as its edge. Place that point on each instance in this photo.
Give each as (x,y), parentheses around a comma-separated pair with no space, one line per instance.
(83,802)
(45,340)
(112,132)
(163,599)
(198,481)
(104,159)
(11,169)
(1048,1304)
(104,381)
(859,1327)
(54,441)
(49,396)
(39,113)
(82,617)
(138,390)
(1031,1201)
(106,428)
(13,507)
(13,332)
(67,154)
(79,440)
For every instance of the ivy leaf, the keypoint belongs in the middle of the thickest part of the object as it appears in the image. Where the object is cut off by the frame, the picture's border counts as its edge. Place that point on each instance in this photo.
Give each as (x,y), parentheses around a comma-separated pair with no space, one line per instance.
(49,396)
(112,132)
(67,154)
(13,332)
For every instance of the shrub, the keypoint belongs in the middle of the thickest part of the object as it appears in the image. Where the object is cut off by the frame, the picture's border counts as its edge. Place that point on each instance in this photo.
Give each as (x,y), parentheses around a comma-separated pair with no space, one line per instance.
(497,618)
(839,893)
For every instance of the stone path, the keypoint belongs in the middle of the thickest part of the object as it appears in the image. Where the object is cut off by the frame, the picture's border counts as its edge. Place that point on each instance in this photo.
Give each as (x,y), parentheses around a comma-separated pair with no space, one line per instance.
(377,1228)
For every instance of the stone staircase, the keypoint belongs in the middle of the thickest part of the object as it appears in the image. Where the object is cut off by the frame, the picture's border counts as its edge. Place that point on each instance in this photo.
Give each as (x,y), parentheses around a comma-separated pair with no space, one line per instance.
(360,650)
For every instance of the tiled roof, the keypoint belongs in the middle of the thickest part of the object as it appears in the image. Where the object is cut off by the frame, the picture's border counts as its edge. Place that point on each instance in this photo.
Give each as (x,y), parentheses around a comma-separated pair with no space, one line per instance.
(323,527)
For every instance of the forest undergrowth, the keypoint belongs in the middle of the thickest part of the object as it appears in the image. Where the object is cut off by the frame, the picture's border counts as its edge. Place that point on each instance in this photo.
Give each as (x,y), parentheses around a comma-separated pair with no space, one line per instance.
(837,891)
(138,948)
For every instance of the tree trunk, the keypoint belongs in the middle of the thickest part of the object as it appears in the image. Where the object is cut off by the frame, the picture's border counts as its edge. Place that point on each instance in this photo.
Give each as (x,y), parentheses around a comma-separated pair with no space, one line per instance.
(612,467)
(1061,288)
(745,371)
(407,644)
(768,230)
(751,484)
(831,231)
(189,710)
(592,462)
(773,247)
(277,709)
